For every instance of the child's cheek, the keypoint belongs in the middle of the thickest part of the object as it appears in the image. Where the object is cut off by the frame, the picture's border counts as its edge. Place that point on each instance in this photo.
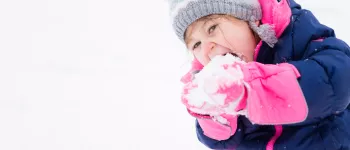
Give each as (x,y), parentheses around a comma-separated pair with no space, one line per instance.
(248,57)
(246,48)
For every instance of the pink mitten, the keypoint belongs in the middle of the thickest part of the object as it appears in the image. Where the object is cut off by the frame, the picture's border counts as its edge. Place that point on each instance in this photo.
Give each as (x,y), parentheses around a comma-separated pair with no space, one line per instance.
(217,89)
(196,66)
(265,94)
(217,130)
(275,96)
(212,93)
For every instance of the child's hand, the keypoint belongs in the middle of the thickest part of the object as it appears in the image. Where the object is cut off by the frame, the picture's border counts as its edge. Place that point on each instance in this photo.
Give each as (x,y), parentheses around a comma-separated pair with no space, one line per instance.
(265,94)
(217,89)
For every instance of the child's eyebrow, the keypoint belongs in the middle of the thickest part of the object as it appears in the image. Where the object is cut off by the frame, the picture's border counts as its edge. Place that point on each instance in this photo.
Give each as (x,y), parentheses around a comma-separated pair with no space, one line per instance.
(189,38)
(188,42)
(205,22)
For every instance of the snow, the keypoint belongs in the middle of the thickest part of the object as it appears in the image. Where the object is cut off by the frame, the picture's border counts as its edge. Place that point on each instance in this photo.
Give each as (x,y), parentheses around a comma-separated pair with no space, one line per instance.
(101,75)
(205,95)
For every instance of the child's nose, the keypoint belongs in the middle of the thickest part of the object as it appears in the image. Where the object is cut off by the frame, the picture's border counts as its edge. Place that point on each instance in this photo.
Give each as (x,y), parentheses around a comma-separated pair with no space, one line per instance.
(208,47)
(217,50)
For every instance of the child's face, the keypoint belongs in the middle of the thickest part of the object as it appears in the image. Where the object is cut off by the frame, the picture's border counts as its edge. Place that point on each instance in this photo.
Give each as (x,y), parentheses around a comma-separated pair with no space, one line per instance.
(219,35)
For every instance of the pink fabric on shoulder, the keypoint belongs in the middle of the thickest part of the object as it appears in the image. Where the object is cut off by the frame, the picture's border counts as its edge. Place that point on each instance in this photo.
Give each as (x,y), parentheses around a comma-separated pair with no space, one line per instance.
(276,13)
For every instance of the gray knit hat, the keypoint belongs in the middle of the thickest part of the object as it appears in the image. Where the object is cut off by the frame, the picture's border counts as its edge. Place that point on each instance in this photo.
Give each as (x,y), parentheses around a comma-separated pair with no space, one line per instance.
(184,12)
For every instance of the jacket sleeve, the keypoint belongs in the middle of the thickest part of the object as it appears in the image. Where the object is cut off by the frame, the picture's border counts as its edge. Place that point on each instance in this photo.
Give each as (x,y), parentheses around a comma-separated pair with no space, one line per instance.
(267,89)
(325,78)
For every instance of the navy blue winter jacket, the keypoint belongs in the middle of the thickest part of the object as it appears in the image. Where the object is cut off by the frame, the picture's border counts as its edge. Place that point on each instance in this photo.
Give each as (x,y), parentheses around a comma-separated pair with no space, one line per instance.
(324,66)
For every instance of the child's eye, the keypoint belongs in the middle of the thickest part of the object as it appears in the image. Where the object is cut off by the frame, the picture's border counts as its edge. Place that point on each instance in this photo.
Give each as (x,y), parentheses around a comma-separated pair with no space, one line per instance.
(212,28)
(196,45)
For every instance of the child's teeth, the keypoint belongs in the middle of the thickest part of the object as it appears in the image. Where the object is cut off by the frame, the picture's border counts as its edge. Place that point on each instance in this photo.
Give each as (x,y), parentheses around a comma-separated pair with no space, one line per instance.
(233,54)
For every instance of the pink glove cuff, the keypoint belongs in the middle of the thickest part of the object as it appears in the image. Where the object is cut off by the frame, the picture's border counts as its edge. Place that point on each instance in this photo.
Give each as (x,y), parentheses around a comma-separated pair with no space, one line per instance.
(218,131)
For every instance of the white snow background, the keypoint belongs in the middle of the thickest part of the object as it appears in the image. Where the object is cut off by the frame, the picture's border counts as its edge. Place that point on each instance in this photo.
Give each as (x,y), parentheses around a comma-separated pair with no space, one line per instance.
(101,75)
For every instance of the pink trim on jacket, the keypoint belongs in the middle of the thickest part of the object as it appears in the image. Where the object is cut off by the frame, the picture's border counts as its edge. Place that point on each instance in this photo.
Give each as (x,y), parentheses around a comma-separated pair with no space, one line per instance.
(271,143)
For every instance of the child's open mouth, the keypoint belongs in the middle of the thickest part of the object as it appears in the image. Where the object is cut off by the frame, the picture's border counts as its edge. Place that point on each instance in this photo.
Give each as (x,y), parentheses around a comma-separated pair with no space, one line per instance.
(233,54)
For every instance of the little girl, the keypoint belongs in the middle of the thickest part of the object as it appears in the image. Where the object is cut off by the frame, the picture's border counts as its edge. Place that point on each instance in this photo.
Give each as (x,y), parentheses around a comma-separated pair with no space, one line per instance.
(266,75)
